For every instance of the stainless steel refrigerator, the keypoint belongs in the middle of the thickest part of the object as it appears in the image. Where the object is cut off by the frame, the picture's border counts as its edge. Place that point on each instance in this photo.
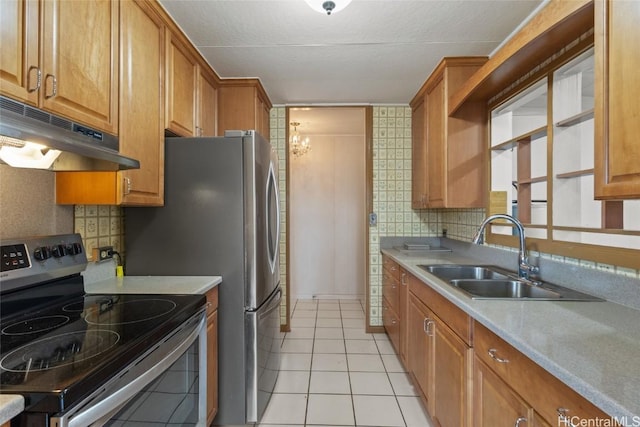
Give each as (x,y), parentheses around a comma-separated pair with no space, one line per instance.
(221,217)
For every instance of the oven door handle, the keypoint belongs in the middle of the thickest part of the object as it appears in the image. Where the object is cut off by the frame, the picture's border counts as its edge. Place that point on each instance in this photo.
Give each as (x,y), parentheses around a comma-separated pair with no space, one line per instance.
(97,409)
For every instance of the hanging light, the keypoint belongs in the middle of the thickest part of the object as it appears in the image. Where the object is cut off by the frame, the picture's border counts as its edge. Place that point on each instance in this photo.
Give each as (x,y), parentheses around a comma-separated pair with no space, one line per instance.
(297,144)
(328,6)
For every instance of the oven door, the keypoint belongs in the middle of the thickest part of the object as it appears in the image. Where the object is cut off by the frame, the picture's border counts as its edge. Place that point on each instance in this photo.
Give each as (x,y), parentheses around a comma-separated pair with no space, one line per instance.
(166,385)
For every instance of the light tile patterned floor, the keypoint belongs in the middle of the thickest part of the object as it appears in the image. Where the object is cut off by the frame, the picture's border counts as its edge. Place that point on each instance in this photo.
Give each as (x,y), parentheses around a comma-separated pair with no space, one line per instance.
(335,374)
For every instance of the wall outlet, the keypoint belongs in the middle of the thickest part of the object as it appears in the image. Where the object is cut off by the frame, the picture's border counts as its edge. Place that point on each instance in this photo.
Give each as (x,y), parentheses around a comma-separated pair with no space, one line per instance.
(102,253)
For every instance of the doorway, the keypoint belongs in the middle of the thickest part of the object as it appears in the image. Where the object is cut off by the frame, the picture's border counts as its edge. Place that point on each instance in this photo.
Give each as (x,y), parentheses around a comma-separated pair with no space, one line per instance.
(328,205)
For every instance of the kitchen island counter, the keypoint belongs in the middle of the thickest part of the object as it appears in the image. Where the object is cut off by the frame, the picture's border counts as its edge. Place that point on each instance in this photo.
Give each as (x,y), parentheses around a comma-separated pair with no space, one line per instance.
(590,346)
(154,285)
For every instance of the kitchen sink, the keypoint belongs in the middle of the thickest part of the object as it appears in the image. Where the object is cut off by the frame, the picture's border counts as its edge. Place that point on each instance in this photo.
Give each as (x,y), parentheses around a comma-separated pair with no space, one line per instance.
(453,271)
(491,282)
(503,289)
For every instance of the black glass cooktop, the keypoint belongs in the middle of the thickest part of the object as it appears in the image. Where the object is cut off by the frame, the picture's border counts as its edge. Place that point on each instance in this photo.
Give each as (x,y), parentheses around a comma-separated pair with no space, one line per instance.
(55,354)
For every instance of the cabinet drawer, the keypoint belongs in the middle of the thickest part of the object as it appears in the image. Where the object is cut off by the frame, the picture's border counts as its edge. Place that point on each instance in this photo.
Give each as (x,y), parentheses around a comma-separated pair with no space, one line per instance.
(212,300)
(456,319)
(391,324)
(544,392)
(390,290)
(391,266)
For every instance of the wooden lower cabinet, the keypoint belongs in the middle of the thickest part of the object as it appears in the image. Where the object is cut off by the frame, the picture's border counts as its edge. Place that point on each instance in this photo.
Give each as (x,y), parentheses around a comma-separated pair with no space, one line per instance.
(420,349)
(403,302)
(541,390)
(452,378)
(212,355)
(496,404)
(391,323)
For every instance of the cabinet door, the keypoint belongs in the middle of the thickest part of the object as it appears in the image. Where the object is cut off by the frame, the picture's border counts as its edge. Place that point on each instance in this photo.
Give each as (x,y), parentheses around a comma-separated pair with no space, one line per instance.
(19,62)
(182,77)
(617,156)
(436,155)
(207,102)
(452,359)
(495,403)
(142,102)
(403,314)
(420,350)
(212,366)
(391,323)
(80,61)
(418,155)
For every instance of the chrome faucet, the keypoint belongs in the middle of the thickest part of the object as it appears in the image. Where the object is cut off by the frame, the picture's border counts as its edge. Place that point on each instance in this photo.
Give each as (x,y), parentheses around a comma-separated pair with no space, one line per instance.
(524,267)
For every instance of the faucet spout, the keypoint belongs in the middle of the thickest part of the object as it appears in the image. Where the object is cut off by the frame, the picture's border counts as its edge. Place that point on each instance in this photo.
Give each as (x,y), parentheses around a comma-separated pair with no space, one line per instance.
(524,267)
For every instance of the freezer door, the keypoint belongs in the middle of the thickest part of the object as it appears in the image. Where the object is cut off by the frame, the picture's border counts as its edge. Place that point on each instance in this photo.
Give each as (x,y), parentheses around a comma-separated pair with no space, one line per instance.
(262,219)
(262,355)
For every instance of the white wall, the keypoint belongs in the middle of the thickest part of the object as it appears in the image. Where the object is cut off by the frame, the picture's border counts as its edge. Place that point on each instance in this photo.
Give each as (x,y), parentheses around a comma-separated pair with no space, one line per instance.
(328,218)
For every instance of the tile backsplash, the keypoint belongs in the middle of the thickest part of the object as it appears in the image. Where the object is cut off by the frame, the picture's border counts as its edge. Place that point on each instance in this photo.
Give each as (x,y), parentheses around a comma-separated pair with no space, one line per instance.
(99,225)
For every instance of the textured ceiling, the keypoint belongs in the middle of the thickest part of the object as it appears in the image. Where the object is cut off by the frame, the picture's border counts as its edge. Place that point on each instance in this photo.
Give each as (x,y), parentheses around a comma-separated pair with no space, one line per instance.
(372,52)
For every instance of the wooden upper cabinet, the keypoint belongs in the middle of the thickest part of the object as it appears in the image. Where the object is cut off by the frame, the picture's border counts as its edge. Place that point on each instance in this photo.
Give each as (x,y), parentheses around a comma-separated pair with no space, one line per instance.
(19,56)
(141,128)
(455,145)
(617,110)
(208,85)
(73,72)
(142,102)
(181,86)
(243,105)
(448,165)
(436,145)
(419,178)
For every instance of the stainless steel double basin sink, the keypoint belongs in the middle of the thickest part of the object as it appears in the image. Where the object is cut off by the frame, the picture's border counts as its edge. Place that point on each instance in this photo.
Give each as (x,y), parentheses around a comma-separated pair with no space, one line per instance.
(490,282)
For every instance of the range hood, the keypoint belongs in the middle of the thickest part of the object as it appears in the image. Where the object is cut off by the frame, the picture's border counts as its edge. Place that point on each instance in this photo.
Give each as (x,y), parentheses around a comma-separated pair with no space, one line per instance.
(32,138)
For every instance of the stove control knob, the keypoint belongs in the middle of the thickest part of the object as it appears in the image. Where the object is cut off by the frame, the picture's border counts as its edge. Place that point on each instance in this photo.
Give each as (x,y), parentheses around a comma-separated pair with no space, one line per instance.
(42,253)
(59,251)
(74,248)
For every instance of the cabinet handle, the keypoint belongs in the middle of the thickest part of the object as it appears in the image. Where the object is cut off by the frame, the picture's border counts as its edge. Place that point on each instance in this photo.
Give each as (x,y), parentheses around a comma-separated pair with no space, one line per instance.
(127,185)
(492,354)
(54,86)
(426,326)
(393,268)
(393,286)
(393,321)
(402,279)
(38,79)
(564,418)
(519,420)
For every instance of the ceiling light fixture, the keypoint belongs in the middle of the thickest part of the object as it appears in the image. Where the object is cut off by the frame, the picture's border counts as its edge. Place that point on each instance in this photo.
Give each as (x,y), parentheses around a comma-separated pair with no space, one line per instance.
(328,6)
(298,145)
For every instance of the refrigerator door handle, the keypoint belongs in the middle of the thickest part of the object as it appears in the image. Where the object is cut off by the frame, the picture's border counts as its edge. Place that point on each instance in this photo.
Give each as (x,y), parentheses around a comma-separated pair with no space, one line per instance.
(272,187)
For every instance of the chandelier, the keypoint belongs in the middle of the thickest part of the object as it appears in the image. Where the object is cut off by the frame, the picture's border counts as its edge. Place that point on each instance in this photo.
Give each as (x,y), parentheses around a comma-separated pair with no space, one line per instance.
(297,144)
(328,6)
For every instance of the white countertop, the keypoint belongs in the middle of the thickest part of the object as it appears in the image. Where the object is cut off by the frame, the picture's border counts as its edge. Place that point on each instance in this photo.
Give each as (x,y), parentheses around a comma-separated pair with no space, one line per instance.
(154,285)
(10,406)
(593,347)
